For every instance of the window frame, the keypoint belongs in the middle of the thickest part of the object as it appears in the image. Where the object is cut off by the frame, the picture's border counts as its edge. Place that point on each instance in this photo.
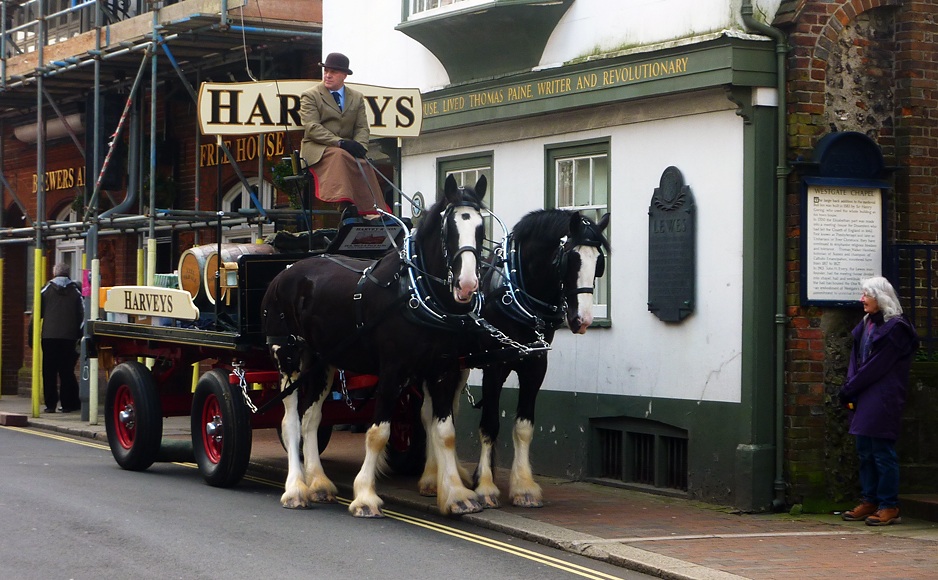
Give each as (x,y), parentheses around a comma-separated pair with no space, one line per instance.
(574,150)
(468,162)
(239,233)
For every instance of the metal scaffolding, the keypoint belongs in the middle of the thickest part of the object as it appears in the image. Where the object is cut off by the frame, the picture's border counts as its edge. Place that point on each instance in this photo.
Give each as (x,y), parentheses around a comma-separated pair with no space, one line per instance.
(92,45)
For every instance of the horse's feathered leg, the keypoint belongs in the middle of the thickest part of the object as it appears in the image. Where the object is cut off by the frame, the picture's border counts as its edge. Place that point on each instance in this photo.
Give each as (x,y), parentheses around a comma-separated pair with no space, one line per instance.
(367,504)
(320,488)
(493,378)
(427,483)
(522,489)
(295,492)
(452,496)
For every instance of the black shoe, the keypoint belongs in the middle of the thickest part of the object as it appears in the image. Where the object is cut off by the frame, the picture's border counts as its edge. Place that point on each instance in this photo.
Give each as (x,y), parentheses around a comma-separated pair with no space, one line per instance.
(48,410)
(69,409)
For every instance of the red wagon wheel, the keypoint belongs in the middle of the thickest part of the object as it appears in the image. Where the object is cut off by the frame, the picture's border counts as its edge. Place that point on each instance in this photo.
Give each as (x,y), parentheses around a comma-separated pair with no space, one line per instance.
(132,416)
(221,430)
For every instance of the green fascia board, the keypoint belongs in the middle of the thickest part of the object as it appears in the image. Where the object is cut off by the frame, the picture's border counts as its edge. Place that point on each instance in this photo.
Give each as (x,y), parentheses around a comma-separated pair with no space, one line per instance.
(491,39)
(724,61)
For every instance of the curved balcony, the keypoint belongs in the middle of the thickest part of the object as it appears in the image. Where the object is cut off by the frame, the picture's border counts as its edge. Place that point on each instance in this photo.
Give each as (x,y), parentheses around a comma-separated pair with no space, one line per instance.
(476,39)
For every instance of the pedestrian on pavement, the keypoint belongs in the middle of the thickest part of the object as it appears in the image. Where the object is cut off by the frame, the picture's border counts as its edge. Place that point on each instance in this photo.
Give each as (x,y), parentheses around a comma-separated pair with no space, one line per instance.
(335,140)
(62,318)
(884,344)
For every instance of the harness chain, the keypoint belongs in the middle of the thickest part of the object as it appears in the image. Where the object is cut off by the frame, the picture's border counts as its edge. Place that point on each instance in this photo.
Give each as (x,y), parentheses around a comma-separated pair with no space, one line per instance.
(538,345)
(239,372)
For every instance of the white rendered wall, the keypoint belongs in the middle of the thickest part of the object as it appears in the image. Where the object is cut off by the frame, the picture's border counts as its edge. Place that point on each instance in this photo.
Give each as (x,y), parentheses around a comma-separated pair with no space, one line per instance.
(380,55)
(363,30)
(697,359)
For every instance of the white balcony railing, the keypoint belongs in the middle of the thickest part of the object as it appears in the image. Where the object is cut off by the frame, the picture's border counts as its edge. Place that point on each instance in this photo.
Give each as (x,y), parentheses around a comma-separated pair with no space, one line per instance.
(424,8)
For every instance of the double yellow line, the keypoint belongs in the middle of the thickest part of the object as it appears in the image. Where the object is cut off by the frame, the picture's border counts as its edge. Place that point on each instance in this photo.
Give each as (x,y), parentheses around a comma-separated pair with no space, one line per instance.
(575,569)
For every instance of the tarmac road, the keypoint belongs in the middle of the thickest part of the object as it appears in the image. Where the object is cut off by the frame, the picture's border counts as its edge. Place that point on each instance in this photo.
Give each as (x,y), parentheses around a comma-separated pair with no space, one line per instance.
(70,512)
(662,536)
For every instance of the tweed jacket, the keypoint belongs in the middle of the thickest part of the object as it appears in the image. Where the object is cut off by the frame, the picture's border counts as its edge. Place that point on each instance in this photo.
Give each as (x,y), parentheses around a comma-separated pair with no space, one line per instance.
(877,387)
(324,125)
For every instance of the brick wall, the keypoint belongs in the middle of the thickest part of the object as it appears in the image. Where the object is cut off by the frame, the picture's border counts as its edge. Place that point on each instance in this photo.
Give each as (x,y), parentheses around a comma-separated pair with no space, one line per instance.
(867,66)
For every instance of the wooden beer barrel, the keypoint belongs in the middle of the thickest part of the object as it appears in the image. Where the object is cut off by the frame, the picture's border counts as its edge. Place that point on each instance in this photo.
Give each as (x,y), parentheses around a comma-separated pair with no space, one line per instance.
(198,265)
(191,264)
(229,253)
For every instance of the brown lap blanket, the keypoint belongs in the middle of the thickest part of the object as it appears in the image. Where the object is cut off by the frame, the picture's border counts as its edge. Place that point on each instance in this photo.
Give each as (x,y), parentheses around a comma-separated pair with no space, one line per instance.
(338,178)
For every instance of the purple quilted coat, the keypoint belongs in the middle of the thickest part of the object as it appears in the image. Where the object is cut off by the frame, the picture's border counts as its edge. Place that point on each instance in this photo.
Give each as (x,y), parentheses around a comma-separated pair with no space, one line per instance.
(877,387)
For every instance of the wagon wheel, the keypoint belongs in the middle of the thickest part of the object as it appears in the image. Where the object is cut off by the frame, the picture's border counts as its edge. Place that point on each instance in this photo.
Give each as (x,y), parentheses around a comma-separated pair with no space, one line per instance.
(221,430)
(407,445)
(323,435)
(132,416)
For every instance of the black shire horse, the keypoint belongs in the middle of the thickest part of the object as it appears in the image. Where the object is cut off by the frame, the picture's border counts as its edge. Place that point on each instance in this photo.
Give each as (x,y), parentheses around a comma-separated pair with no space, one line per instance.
(398,318)
(551,261)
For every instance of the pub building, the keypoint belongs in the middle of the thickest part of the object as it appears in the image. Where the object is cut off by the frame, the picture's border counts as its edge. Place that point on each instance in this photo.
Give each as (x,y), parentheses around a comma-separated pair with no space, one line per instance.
(712,368)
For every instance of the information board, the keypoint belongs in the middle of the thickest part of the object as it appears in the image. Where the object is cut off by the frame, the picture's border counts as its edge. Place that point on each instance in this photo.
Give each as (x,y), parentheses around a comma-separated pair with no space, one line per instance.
(844,239)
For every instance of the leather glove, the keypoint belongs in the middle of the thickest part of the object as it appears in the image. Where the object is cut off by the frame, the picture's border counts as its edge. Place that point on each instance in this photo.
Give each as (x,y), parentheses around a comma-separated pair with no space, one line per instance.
(354,148)
(845,401)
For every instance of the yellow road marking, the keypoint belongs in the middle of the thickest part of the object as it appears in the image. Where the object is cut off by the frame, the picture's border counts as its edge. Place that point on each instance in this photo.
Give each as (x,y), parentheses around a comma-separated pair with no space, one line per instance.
(570,567)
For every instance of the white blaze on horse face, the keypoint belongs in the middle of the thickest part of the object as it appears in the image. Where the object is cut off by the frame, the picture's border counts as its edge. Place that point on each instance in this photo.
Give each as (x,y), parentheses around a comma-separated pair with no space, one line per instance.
(467,221)
(585,278)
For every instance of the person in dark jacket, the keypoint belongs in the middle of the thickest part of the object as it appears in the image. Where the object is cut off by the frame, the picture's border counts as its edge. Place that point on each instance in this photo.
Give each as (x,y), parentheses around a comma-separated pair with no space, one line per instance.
(62,318)
(884,345)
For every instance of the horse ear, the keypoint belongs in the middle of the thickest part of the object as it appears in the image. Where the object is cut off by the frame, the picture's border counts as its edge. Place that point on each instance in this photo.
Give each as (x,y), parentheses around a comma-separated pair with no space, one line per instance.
(451,189)
(576,223)
(481,186)
(604,221)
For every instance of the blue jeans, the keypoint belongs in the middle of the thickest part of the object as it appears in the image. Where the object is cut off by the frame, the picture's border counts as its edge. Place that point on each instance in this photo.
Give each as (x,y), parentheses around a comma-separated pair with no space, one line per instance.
(879,471)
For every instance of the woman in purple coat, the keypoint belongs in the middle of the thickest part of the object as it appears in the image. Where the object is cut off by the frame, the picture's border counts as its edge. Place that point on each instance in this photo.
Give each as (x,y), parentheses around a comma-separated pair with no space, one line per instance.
(884,344)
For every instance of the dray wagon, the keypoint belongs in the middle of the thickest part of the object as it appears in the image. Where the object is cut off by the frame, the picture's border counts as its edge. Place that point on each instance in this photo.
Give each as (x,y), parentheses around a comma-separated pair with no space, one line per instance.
(152,345)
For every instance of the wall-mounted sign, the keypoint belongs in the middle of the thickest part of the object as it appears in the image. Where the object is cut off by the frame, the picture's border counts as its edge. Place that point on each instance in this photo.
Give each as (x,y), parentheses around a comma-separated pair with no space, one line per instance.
(842,238)
(843,218)
(270,106)
(672,253)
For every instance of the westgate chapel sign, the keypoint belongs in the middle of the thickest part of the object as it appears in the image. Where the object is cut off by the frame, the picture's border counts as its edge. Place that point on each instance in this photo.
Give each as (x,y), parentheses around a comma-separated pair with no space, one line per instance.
(843,217)
(270,106)
(844,238)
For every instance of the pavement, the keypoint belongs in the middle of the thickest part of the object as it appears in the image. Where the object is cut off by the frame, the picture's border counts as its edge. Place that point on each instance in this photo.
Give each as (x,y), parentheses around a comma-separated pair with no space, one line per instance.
(666,537)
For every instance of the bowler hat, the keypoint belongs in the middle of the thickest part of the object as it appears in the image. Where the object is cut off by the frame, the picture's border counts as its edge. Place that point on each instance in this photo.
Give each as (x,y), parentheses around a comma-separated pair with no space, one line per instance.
(337,61)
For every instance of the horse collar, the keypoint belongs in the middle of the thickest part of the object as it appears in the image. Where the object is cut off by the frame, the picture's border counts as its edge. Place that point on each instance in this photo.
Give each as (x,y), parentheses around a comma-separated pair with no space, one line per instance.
(516,302)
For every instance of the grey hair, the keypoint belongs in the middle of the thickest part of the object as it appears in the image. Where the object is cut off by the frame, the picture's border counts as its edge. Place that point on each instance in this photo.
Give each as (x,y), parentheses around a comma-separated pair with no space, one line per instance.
(62,269)
(880,289)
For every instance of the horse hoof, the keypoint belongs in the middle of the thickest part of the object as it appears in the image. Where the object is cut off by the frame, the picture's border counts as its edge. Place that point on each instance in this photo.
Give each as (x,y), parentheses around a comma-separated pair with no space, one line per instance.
(466,506)
(368,512)
(294,504)
(427,490)
(322,497)
(527,500)
(488,501)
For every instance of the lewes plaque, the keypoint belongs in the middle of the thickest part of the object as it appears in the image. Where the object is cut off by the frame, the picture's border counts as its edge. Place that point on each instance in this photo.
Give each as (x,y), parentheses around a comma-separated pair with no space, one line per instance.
(671,248)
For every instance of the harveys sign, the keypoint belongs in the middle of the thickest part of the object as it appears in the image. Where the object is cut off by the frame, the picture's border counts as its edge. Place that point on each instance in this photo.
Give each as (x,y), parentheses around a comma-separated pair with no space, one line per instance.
(268,106)
(151,301)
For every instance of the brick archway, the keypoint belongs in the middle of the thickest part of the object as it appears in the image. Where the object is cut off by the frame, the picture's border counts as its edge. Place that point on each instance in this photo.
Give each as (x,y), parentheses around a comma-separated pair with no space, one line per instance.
(830,32)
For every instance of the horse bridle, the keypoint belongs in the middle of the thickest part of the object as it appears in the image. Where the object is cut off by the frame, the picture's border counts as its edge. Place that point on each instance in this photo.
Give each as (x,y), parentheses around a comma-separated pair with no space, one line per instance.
(450,262)
(570,246)
(420,296)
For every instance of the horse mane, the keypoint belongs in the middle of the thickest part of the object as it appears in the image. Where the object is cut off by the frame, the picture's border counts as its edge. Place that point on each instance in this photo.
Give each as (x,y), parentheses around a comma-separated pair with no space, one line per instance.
(552,224)
(429,225)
